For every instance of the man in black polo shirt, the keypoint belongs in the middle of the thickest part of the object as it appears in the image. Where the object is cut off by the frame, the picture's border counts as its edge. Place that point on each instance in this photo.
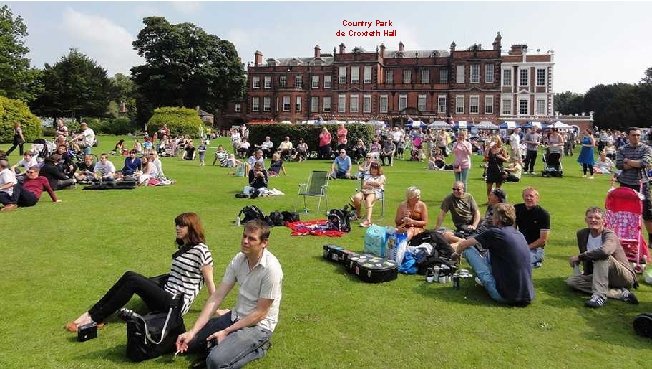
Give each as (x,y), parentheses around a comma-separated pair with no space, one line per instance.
(534,222)
(506,274)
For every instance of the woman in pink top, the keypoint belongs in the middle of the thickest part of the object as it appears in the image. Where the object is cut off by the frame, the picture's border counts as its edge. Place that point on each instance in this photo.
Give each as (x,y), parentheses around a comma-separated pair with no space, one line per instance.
(341,137)
(462,151)
(324,144)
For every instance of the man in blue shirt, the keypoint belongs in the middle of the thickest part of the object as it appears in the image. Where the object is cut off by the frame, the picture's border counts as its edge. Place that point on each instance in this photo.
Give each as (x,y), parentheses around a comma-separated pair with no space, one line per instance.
(341,167)
(507,273)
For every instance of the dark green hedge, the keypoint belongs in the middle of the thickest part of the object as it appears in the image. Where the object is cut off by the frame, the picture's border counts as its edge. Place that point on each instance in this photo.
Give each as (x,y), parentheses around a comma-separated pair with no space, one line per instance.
(309,133)
(12,111)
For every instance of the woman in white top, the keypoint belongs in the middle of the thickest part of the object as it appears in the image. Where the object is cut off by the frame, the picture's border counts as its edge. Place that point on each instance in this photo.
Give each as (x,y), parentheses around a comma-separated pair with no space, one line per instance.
(373,185)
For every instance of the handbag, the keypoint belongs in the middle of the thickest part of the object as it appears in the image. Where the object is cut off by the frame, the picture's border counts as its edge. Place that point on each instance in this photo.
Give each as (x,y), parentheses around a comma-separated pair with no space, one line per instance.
(155,333)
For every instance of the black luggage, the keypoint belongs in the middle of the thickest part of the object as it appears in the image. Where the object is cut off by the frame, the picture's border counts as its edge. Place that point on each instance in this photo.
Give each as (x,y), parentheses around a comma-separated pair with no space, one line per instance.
(376,270)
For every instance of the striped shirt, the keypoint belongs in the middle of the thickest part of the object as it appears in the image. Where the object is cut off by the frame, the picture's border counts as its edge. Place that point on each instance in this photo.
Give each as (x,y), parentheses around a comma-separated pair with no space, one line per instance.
(185,274)
(632,176)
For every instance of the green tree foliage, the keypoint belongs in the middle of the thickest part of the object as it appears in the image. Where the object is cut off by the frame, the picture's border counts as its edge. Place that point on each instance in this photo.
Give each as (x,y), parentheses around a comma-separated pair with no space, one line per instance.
(180,121)
(569,103)
(17,79)
(617,106)
(185,66)
(122,92)
(75,86)
(15,111)
(648,77)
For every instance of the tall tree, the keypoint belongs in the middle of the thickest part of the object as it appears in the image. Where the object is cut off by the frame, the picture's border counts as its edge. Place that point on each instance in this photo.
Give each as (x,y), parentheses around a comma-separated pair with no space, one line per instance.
(648,77)
(185,66)
(568,103)
(74,86)
(122,96)
(17,79)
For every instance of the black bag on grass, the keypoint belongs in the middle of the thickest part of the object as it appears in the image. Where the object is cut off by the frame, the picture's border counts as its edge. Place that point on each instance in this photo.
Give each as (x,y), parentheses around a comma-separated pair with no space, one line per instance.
(251,212)
(442,252)
(276,218)
(338,221)
(643,325)
(153,334)
(289,216)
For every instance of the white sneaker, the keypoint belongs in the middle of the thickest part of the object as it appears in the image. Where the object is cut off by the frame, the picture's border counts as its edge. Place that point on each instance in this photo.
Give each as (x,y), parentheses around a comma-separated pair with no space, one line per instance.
(584,176)
(533,173)
(591,177)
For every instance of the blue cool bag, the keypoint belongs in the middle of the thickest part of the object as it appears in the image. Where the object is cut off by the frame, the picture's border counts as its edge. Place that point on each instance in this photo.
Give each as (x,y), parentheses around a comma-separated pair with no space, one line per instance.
(375,241)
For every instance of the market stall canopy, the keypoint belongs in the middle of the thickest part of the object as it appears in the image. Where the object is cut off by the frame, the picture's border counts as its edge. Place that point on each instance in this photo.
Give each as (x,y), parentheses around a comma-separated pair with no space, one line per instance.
(508,124)
(535,124)
(439,124)
(377,122)
(485,124)
(415,124)
(559,125)
(461,124)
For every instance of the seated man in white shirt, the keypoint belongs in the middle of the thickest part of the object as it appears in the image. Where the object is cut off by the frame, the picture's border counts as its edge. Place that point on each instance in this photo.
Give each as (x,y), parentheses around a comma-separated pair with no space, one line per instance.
(104,169)
(287,148)
(267,146)
(24,164)
(233,338)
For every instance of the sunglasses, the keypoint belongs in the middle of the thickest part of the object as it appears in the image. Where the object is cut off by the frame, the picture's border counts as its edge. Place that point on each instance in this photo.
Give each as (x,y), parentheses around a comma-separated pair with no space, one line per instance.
(457,189)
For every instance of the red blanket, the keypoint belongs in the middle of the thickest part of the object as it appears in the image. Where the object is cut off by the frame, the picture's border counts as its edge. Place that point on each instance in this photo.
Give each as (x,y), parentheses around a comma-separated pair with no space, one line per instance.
(317,227)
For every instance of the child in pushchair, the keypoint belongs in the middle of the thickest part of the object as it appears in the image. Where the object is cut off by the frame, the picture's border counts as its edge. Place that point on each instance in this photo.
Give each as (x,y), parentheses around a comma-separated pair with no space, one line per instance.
(552,159)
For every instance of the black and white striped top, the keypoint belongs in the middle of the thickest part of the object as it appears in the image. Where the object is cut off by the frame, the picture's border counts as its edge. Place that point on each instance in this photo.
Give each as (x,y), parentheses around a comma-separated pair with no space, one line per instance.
(185,274)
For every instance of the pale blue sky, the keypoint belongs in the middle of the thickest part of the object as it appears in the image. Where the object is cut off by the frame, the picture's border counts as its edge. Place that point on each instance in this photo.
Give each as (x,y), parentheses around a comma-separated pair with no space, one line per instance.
(594,42)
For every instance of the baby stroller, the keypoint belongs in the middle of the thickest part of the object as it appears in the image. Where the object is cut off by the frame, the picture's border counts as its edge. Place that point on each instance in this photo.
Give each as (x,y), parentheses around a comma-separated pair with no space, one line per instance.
(42,148)
(553,167)
(624,210)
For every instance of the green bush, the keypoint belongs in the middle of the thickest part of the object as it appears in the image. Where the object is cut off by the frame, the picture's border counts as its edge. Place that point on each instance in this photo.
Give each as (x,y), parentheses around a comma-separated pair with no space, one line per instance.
(117,126)
(309,133)
(12,111)
(180,121)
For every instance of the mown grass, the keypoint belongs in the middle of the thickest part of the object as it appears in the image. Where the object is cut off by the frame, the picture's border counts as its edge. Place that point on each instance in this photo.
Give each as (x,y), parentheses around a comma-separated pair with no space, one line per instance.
(60,258)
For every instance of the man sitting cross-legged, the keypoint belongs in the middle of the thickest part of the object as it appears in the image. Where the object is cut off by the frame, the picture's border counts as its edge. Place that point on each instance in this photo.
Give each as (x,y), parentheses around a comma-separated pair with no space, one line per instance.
(607,272)
(506,273)
(241,335)
(463,208)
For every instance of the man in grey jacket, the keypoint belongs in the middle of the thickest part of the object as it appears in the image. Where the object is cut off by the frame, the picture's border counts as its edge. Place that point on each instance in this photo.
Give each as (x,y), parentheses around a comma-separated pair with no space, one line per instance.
(607,272)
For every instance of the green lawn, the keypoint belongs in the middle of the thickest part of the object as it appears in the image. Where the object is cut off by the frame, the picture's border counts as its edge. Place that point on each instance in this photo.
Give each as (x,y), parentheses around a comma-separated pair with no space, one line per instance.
(58,259)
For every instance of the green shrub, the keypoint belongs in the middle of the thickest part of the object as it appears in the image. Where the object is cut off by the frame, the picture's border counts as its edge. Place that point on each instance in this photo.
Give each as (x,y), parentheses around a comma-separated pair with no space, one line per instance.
(180,121)
(117,126)
(309,133)
(12,111)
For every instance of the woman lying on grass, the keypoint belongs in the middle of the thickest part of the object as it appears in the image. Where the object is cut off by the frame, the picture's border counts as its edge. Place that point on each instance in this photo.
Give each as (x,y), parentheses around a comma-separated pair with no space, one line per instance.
(192,266)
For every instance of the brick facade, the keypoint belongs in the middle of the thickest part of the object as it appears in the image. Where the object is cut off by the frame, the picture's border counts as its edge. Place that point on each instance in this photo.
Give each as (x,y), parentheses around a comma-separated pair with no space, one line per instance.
(384,84)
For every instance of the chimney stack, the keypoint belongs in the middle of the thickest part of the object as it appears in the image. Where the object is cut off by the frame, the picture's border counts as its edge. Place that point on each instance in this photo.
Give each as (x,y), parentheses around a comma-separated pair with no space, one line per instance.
(518,50)
(317,52)
(497,44)
(382,50)
(258,58)
(400,46)
(342,48)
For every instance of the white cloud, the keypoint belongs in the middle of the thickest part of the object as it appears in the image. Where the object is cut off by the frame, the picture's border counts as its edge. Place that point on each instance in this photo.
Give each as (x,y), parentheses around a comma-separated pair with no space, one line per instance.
(102,40)
(186,7)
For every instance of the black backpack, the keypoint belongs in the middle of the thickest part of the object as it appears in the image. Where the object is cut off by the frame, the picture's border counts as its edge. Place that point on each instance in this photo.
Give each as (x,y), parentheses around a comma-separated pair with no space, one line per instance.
(251,212)
(289,216)
(276,218)
(441,254)
(643,325)
(338,220)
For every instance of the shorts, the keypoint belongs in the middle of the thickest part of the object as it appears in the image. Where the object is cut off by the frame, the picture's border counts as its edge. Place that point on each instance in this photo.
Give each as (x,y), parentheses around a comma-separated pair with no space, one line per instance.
(647,202)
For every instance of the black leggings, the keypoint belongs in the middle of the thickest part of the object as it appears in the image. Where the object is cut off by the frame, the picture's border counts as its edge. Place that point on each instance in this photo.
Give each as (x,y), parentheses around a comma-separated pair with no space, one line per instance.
(587,166)
(154,296)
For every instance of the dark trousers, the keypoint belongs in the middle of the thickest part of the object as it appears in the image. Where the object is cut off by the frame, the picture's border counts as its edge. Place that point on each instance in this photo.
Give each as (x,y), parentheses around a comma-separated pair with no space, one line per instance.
(588,167)
(530,160)
(387,156)
(20,148)
(6,199)
(325,152)
(153,295)
(23,197)
(63,183)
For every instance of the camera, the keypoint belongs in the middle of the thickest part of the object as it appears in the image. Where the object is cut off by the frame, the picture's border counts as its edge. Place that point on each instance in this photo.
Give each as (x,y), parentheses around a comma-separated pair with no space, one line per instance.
(87,332)
(128,315)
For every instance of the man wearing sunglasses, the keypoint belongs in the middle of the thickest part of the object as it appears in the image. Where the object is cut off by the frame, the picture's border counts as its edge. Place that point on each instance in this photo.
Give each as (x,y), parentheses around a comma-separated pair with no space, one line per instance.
(341,168)
(30,192)
(463,208)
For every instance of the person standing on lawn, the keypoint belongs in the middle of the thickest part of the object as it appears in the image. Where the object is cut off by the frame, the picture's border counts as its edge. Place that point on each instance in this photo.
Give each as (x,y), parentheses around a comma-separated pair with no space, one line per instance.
(532,141)
(633,159)
(607,272)
(506,274)
(241,335)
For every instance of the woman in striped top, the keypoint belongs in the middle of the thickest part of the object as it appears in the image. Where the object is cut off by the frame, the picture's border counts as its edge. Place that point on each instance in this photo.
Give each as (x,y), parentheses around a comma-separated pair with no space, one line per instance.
(192,266)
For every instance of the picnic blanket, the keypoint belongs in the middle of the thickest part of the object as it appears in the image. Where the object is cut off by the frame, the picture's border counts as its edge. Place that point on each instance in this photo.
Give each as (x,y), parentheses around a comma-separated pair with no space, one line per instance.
(316,227)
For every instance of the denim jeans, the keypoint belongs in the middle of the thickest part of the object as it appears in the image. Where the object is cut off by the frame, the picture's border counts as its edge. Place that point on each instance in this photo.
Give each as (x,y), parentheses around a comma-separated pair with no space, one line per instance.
(482,270)
(536,257)
(462,176)
(237,349)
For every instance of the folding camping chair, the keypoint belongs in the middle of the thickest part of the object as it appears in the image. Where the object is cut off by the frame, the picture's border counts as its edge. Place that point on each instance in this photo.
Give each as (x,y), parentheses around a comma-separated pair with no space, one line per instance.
(316,186)
(380,199)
